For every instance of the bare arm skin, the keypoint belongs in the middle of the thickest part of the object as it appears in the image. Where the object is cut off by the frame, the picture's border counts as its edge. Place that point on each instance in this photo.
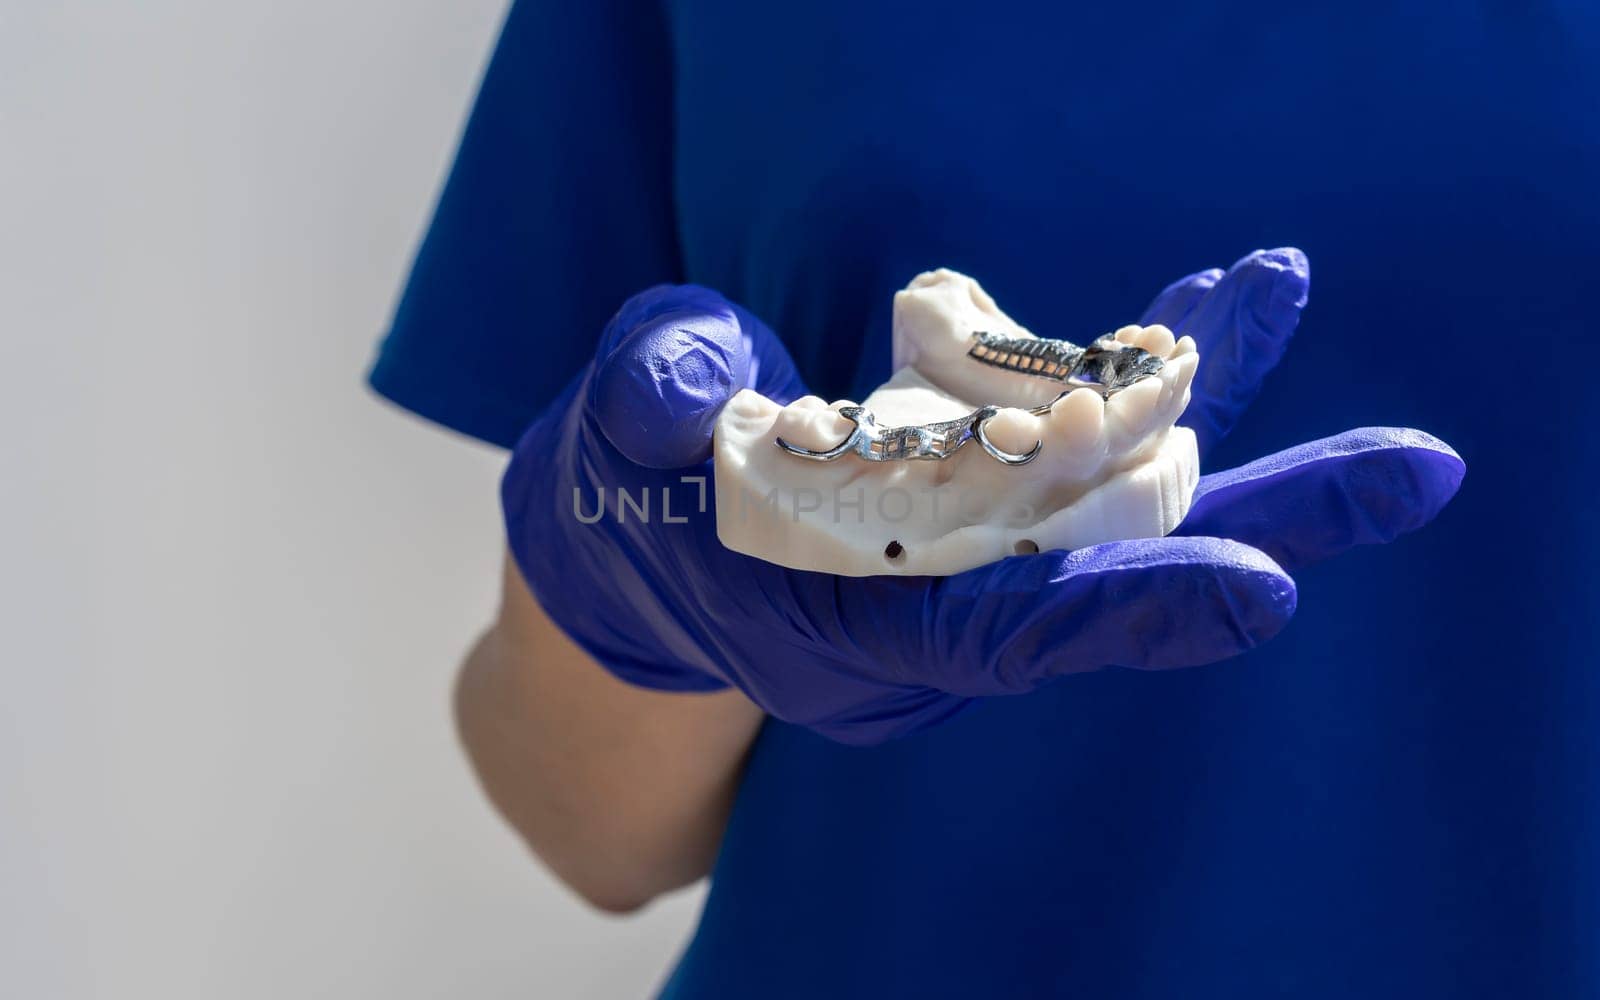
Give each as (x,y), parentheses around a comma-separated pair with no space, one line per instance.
(622,791)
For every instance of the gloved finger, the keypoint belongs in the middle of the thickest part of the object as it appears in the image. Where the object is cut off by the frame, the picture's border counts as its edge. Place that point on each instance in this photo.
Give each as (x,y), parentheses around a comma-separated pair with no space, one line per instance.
(1242,327)
(1010,626)
(668,361)
(1177,300)
(1313,501)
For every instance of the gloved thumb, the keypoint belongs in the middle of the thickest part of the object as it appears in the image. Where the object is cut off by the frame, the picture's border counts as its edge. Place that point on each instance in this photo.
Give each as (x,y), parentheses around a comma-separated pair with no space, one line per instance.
(668,361)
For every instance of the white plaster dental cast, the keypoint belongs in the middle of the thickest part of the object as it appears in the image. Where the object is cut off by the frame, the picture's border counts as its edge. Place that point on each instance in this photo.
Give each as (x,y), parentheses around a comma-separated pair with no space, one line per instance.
(974,450)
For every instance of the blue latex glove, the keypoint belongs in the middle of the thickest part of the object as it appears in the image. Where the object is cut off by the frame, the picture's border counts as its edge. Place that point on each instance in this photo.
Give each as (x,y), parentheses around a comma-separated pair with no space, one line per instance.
(662,604)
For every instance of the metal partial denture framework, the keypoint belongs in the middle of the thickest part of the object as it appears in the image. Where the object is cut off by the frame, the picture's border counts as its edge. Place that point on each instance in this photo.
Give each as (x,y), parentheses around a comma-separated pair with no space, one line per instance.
(1104,368)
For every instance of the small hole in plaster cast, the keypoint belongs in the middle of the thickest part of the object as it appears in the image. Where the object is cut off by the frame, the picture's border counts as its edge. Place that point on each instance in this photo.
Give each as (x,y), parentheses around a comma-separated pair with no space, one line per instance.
(1026,547)
(894,552)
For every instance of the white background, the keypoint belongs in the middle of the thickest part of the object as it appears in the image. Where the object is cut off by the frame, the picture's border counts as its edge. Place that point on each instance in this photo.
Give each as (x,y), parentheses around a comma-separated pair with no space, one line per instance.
(235,585)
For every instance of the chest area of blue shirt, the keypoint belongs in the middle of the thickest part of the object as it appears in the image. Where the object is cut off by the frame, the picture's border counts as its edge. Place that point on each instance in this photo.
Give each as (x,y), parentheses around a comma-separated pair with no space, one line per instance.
(827,153)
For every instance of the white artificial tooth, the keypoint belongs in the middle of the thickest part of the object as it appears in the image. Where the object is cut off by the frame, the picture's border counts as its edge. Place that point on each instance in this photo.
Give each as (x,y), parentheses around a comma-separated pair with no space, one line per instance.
(1156,339)
(1186,365)
(1126,334)
(1185,345)
(809,403)
(1077,419)
(1132,411)
(1014,430)
(747,405)
(807,425)
(1169,377)
(1176,376)
(982,299)
(933,279)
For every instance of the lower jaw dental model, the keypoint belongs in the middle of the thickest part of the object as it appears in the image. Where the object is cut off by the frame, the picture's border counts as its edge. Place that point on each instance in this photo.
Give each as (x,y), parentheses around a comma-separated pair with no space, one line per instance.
(986,442)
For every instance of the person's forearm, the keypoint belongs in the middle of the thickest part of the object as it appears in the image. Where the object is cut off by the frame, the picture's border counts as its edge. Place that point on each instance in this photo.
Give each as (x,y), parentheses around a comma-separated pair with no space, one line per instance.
(622,791)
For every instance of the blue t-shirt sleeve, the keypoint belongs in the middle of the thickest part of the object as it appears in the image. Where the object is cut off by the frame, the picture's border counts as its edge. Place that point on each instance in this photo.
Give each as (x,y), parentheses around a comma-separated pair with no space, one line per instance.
(558,207)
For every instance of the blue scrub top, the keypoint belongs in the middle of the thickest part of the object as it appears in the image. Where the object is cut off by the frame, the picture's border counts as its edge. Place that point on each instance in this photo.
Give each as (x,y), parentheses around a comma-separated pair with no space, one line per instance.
(1397,797)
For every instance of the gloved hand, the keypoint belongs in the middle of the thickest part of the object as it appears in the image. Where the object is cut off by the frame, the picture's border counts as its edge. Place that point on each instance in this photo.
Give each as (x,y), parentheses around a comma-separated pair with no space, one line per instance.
(660,603)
